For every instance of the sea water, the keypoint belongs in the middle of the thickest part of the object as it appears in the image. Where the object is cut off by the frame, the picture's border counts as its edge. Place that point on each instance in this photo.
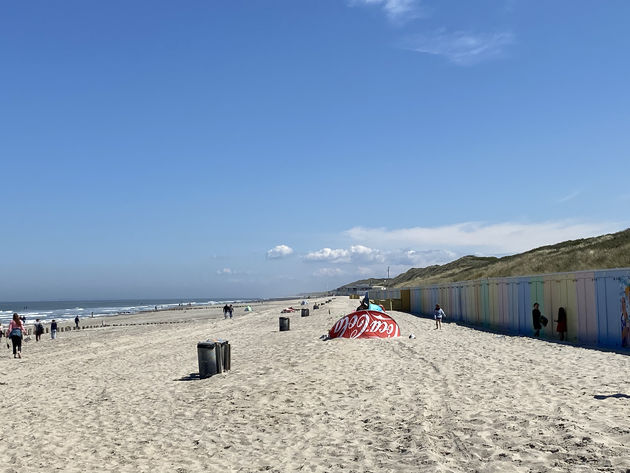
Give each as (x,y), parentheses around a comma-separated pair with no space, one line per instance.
(68,310)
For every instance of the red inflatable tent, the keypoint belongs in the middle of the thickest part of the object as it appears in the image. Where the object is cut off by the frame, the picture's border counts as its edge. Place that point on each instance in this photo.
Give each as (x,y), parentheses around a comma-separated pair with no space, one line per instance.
(365,324)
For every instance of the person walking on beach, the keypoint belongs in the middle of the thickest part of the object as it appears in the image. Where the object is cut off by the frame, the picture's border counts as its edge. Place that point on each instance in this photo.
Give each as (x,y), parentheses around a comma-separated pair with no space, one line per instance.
(76,321)
(438,314)
(226,309)
(230,310)
(53,330)
(16,332)
(39,330)
(536,319)
(562,322)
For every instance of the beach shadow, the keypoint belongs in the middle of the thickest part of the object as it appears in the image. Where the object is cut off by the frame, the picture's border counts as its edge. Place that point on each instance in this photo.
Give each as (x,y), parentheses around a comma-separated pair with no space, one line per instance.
(618,395)
(514,334)
(190,377)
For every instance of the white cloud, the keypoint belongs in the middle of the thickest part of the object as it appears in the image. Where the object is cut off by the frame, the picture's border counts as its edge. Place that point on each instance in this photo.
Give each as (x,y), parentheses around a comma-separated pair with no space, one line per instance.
(461,47)
(366,258)
(471,237)
(330,255)
(356,254)
(279,251)
(420,258)
(328,272)
(568,197)
(234,272)
(360,253)
(396,10)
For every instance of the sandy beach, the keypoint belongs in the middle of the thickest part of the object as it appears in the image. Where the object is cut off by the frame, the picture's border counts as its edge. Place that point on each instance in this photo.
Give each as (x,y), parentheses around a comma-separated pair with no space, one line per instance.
(122,399)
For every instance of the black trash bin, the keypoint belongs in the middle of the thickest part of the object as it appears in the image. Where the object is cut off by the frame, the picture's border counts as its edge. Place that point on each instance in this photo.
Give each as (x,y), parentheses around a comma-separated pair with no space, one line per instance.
(304,312)
(214,357)
(284,324)
(207,357)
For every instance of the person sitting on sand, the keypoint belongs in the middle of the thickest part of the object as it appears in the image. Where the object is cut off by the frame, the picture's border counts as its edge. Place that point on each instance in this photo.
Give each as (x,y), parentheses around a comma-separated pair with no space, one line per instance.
(16,332)
(438,314)
(365,304)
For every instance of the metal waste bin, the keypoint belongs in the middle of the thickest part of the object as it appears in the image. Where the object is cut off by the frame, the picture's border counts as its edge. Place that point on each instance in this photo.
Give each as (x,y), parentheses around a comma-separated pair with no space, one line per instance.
(226,355)
(214,356)
(284,324)
(223,355)
(304,312)
(207,357)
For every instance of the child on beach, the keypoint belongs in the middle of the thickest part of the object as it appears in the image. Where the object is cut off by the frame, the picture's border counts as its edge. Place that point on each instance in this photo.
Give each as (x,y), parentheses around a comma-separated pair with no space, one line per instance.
(438,314)
(562,322)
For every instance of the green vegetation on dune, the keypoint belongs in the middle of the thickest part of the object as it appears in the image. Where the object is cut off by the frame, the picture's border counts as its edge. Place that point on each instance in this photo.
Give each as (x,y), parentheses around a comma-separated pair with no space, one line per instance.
(602,252)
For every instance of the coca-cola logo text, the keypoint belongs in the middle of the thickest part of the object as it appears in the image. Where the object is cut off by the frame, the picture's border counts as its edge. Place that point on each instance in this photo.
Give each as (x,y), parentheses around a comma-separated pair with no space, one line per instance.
(365,324)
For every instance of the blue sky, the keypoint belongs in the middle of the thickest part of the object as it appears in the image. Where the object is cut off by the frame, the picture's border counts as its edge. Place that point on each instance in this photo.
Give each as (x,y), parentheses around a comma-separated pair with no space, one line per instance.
(246,149)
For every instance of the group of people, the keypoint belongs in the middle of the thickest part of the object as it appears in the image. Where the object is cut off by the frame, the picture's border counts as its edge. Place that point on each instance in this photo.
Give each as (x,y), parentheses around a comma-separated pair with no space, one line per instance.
(227,310)
(539,321)
(17,330)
